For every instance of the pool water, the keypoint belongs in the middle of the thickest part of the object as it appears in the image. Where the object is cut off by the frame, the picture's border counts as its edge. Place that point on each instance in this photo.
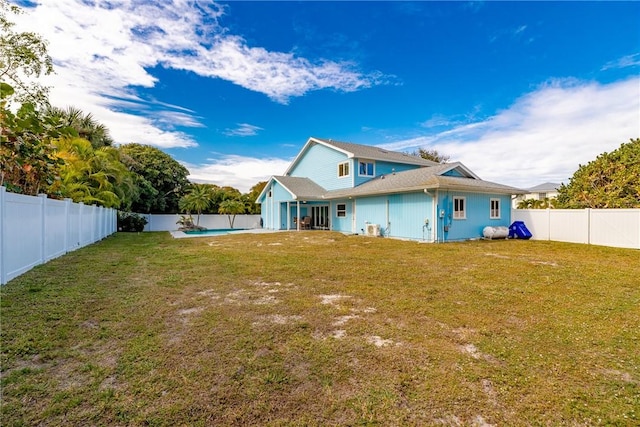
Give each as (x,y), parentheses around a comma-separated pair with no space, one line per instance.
(213,232)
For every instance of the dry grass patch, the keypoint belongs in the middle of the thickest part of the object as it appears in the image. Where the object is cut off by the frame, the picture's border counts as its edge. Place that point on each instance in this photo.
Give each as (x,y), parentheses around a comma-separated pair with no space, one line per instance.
(318,328)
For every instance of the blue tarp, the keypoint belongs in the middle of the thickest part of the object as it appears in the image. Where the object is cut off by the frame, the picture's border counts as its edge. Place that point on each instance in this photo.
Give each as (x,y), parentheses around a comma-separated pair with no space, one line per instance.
(519,230)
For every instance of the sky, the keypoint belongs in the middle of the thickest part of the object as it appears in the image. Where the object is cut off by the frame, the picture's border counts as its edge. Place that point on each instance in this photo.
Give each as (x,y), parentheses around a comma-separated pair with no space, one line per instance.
(521,93)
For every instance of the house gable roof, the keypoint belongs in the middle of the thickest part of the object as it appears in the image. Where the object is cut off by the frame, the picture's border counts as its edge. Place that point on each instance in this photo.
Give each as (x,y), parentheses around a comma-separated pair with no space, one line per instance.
(360,151)
(424,178)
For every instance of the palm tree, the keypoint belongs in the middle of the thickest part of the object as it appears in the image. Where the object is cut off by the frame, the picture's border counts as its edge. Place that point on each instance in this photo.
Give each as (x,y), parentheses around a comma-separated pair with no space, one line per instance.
(198,198)
(93,176)
(231,208)
(74,122)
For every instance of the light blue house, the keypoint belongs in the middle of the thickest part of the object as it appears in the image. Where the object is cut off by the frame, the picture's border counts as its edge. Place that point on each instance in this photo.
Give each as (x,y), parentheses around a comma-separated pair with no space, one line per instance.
(361,189)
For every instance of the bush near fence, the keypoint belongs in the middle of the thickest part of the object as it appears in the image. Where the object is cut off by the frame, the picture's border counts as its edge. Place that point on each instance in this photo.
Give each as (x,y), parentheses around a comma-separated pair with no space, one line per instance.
(35,229)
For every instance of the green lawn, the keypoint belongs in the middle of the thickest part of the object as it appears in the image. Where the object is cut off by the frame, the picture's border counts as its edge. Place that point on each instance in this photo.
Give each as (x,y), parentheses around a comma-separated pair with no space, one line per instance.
(318,328)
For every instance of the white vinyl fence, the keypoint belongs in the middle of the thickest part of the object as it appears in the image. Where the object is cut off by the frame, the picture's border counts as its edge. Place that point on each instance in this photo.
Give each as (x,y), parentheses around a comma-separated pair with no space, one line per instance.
(157,222)
(607,227)
(34,230)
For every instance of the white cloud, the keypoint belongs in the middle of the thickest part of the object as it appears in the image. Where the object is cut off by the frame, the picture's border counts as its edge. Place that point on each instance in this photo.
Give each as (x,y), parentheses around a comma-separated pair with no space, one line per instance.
(544,135)
(236,171)
(243,129)
(103,49)
(624,62)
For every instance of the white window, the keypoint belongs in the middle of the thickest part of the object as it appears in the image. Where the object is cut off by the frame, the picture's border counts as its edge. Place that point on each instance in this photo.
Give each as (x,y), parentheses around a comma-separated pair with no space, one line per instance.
(365,168)
(494,210)
(459,208)
(341,209)
(343,169)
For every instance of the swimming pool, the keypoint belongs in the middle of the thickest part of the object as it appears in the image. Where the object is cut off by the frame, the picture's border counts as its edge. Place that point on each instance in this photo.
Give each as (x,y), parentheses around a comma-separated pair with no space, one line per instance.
(213,232)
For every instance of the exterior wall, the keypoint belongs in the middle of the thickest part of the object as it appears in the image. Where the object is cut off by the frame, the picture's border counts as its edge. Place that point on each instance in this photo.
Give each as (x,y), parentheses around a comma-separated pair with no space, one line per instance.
(452,172)
(380,168)
(273,217)
(477,215)
(399,215)
(320,163)
(343,223)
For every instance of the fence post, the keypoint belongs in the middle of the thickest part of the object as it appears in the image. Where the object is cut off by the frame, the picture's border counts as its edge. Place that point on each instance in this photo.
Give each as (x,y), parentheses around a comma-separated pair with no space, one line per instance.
(3,218)
(43,227)
(588,212)
(67,231)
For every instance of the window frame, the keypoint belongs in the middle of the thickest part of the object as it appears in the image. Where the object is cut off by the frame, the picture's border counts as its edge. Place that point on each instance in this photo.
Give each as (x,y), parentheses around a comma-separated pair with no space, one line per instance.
(342,166)
(457,212)
(366,164)
(341,210)
(494,213)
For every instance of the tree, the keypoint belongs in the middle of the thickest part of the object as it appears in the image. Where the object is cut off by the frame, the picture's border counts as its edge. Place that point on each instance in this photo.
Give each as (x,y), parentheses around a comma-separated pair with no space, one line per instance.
(28,164)
(74,122)
(162,173)
(231,208)
(23,57)
(250,198)
(93,176)
(198,198)
(612,180)
(431,154)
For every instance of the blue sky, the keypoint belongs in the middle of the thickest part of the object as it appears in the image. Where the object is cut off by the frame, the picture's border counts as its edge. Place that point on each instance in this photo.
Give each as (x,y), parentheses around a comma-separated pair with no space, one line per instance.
(520,92)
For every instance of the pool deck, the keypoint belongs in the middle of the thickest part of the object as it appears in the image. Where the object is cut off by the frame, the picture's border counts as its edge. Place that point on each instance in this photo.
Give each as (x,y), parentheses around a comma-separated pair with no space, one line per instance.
(182,235)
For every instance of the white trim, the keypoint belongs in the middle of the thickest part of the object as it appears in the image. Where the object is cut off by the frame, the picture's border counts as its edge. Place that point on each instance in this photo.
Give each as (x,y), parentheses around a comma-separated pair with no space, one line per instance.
(491,215)
(464,207)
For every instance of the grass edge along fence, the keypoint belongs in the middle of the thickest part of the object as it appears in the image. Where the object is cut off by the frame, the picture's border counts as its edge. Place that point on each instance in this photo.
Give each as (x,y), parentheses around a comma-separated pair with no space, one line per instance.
(36,229)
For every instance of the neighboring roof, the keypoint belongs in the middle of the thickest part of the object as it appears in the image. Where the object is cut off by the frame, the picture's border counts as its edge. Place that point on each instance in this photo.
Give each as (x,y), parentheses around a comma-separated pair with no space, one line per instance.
(544,188)
(364,152)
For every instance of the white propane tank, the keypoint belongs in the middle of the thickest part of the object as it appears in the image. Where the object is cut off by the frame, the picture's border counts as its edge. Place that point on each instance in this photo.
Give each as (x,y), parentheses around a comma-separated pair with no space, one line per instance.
(490,232)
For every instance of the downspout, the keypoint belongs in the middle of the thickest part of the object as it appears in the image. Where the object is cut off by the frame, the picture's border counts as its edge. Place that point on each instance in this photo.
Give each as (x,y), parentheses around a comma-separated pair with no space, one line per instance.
(298,215)
(436,220)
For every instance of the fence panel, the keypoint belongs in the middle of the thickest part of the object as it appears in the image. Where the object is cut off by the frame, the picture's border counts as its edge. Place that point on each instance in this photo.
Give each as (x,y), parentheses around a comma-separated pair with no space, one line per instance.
(607,227)
(615,227)
(21,225)
(34,230)
(55,228)
(158,222)
(536,220)
(569,225)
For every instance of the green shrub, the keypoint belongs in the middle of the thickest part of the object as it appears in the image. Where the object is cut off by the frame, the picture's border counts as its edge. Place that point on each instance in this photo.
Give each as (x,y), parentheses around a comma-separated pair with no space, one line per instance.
(129,221)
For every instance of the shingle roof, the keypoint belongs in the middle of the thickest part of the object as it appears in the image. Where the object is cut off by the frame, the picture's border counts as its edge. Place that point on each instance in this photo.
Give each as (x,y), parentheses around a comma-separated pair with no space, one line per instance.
(375,153)
(419,179)
(301,187)
(546,187)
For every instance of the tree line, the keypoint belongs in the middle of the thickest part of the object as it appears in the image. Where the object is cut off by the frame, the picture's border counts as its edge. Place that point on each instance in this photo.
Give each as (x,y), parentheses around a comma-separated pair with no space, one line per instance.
(67,153)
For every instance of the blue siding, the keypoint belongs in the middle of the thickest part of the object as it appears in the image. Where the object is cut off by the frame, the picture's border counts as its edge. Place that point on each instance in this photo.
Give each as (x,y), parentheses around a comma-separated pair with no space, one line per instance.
(407,214)
(477,215)
(399,215)
(320,163)
(453,172)
(341,223)
(380,168)
(386,168)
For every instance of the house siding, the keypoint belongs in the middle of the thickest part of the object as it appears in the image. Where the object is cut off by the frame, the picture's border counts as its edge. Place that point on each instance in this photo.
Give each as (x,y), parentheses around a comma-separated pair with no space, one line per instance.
(380,168)
(477,208)
(321,163)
